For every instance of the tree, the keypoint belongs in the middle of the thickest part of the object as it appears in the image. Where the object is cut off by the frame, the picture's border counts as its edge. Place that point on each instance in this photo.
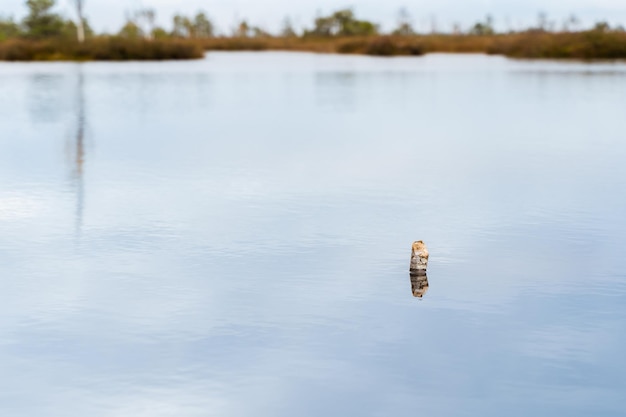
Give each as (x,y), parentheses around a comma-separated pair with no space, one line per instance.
(202,26)
(8,29)
(483,28)
(40,21)
(70,29)
(144,18)
(404,24)
(160,33)
(342,23)
(131,31)
(80,23)
(243,30)
(349,26)
(571,23)
(324,26)
(198,27)
(181,26)
(602,27)
(344,20)
(258,32)
(542,22)
(288,31)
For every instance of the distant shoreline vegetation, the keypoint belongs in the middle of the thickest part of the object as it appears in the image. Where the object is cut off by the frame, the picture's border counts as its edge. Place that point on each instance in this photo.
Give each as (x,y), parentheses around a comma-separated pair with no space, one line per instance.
(44,35)
(98,49)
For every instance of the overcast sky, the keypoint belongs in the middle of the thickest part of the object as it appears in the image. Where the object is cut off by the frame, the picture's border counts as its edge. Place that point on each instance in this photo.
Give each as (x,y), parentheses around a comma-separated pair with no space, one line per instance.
(109,15)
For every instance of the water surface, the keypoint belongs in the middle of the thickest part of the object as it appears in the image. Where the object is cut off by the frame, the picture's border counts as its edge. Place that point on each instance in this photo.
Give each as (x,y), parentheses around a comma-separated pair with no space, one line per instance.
(231,237)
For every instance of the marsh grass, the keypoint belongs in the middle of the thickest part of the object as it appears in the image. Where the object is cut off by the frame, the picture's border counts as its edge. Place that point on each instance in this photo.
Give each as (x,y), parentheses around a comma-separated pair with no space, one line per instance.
(593,44)
(588,45)
(363,45)
(99,49)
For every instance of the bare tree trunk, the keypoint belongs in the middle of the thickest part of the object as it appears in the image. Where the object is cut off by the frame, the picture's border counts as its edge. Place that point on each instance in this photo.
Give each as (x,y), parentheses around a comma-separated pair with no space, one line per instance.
(80,27)
(149,15)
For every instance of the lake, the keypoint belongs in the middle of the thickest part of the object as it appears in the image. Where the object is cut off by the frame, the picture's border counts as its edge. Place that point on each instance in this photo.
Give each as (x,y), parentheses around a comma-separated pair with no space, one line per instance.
(232,236)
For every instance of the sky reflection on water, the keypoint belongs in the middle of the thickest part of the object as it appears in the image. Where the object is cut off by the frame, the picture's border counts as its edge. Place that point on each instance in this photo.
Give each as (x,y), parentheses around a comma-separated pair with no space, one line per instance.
(232,237)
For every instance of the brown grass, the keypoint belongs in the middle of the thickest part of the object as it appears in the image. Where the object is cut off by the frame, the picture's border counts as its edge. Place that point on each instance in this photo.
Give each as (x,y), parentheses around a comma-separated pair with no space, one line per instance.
(367,45)
(581,45)
(98,49)
(595,44)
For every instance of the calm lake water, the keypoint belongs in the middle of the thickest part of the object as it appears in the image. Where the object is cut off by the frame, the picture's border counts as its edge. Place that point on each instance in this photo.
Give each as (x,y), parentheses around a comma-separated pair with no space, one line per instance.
(231,237)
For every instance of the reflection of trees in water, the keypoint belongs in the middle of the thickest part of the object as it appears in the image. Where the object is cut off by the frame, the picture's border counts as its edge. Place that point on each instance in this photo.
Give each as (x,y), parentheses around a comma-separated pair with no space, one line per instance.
(46,102)
(336,89)
(78,149)
(419,284)
(51,97)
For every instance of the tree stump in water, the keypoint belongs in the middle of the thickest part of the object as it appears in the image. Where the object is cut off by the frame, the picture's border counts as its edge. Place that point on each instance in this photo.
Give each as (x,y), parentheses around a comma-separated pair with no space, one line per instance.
(419,258)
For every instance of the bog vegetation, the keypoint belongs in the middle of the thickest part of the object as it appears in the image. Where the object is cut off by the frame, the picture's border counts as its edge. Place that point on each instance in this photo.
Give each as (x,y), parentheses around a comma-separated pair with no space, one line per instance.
(44,34)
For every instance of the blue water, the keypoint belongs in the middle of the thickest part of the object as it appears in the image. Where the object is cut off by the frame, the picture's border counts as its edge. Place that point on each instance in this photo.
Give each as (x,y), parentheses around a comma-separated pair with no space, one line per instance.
(231,237)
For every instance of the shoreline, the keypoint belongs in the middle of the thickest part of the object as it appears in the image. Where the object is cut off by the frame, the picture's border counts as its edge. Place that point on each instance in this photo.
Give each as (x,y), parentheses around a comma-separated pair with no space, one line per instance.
(590,46)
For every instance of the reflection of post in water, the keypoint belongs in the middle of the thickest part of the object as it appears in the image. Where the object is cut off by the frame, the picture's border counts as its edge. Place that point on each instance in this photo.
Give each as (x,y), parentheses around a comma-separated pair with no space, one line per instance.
(336,90)
(79,150)
(419,283)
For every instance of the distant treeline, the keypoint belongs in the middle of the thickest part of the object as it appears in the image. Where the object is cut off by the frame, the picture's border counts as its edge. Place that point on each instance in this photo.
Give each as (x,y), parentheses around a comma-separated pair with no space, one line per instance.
(46,35)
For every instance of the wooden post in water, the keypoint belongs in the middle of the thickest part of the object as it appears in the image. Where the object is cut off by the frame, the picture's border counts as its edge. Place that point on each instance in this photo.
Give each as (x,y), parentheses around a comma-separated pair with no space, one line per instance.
(419,263)
(419,258)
